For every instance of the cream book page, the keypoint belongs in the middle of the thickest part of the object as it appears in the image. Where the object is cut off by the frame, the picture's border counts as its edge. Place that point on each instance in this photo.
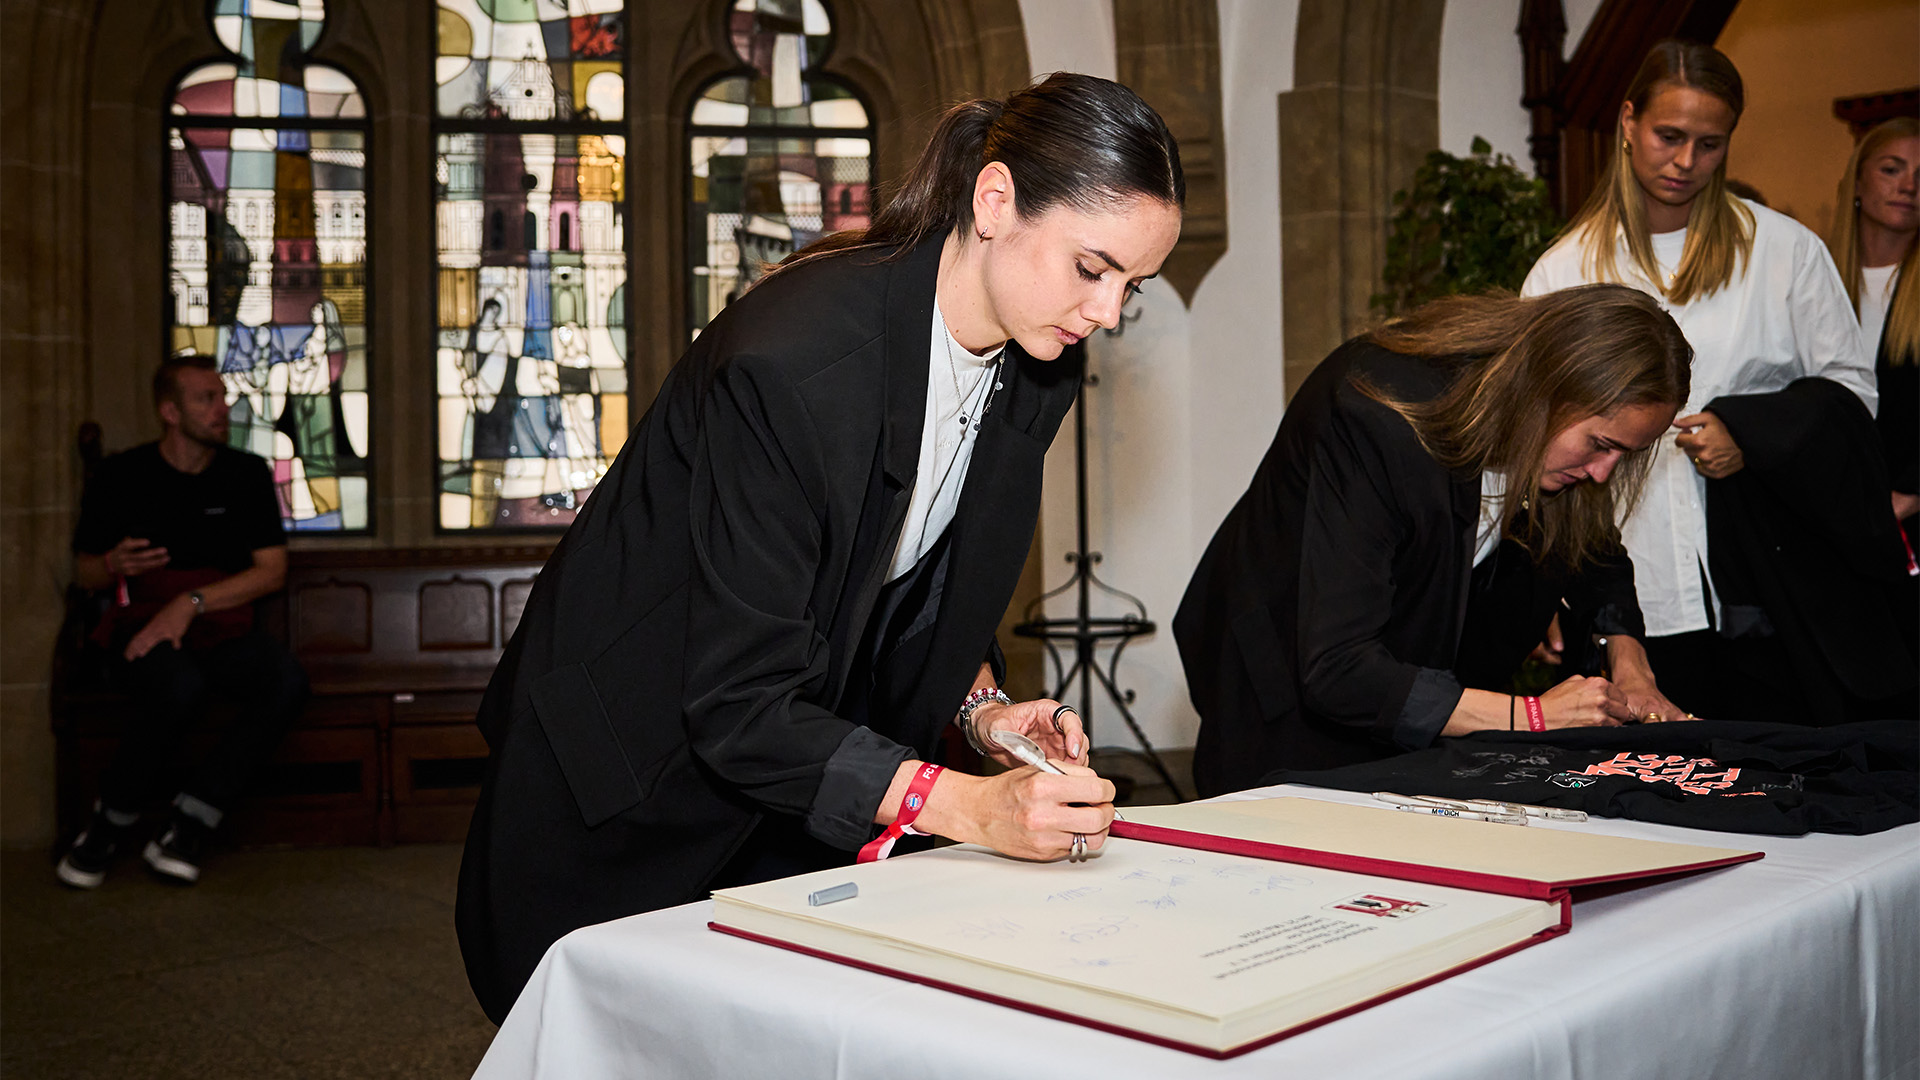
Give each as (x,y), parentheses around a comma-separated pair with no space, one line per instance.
(1551,855)
(1155,926)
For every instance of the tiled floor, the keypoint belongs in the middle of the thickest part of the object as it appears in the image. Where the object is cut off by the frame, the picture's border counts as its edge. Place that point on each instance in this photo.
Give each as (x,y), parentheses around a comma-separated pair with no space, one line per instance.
(301,964)
(305,964)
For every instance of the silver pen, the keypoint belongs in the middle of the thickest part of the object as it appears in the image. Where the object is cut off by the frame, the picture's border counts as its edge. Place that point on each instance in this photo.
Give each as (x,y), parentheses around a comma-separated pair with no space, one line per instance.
(1482,806)
(1029,752)
(1467,815)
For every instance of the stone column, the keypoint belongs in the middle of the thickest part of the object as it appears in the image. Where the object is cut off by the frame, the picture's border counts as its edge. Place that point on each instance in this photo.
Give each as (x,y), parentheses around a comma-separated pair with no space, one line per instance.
(43,381)
(1365,109)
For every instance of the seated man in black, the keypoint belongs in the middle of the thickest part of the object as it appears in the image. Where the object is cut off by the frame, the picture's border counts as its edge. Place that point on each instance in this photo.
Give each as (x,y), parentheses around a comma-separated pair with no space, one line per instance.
(186,533)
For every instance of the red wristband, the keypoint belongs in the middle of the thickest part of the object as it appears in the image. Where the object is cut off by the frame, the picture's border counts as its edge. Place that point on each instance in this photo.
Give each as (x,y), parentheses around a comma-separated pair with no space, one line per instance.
(911,804)
(1536,716)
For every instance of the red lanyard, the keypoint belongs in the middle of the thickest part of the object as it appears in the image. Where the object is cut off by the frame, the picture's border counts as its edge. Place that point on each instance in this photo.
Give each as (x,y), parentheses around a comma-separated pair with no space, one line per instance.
(910,807)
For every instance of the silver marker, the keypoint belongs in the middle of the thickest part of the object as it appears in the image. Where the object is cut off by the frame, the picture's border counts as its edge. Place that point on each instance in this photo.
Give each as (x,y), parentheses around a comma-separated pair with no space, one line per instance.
(833,894)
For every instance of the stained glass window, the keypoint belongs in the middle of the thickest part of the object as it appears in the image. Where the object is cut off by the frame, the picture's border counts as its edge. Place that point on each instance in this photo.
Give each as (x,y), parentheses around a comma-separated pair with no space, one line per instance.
(530,190)
(780,155)
(267,264)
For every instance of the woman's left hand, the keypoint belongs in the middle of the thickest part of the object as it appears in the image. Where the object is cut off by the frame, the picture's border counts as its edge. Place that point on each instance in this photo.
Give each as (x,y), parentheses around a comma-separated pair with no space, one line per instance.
(1633,677)
(1062,739)
(1708,442)
(1649,705)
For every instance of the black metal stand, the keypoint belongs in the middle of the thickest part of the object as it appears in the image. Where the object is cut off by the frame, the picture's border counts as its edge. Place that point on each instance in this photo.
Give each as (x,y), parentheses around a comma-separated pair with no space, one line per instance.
(1084,630)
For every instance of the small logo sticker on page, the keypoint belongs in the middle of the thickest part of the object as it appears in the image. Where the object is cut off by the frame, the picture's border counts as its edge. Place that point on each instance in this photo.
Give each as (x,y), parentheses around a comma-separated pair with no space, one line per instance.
(1384,907)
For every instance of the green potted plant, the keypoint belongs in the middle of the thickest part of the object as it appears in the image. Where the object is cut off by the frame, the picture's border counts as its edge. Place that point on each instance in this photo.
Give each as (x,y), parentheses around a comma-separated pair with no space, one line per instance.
(1466,225)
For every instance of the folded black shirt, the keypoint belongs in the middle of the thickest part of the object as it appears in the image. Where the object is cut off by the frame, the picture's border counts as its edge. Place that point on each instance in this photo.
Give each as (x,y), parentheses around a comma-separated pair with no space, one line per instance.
(1777,779)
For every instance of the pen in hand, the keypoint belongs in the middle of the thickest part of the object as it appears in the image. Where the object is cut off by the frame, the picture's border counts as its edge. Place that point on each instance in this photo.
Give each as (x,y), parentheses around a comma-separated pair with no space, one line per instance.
(1029,752)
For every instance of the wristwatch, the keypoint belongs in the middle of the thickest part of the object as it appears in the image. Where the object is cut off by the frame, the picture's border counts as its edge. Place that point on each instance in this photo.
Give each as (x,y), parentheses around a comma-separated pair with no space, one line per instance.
(199,602)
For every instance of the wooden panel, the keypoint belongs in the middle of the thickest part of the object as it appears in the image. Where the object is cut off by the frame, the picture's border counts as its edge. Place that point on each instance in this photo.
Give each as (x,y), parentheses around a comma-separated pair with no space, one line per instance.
(332,616)
(1862,113)
(437,764)
(435,781)
(513,601)
(456,614)
(344,710)
(436,707)
(391,639)
(322,787)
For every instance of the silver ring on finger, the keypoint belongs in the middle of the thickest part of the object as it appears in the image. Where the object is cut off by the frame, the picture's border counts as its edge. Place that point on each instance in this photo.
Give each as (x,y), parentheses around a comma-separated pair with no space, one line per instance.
(1078,853)
(1057,726)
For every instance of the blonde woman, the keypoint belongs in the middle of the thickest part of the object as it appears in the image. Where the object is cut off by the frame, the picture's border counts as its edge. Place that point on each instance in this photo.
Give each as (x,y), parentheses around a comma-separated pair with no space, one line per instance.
(1873,244)
(1435,489)
(1758,298)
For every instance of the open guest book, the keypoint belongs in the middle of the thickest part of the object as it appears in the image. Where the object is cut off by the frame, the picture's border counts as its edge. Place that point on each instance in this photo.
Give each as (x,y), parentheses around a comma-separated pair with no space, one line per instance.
(1214,928)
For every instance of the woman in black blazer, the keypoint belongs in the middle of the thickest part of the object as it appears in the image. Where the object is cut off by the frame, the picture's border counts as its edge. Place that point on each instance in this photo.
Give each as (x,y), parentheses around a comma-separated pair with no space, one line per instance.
(739,661)
(1435,491)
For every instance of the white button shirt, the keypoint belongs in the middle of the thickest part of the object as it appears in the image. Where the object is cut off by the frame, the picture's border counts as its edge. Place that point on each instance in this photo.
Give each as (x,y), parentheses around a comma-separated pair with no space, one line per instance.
(1784,316)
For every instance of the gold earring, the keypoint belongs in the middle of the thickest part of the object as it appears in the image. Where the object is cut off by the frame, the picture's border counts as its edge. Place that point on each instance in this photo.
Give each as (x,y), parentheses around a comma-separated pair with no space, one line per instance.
(1626,147)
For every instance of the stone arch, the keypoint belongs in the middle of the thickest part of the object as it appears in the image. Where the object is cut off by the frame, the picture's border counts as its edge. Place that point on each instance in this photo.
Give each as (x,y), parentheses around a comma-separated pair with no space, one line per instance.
(1363,112)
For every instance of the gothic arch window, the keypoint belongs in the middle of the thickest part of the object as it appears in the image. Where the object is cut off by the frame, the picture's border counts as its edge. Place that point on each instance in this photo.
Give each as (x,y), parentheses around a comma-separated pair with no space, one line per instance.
(257,141)
(531,337)
(780,155)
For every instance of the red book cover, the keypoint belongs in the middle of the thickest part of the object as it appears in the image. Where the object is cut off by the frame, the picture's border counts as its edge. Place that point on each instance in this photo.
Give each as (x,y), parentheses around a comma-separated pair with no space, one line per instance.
(1212,928)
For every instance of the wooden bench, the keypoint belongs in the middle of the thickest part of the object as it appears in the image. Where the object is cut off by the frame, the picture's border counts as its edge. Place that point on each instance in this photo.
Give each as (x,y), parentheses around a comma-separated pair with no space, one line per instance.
(398,645)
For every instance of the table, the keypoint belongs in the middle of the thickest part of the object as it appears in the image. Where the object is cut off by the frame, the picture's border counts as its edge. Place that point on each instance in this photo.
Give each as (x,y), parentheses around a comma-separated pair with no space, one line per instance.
(1803,965)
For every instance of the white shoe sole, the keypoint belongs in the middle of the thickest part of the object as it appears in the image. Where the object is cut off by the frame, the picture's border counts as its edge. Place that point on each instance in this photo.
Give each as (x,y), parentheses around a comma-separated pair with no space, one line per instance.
(166,864)
(78,878)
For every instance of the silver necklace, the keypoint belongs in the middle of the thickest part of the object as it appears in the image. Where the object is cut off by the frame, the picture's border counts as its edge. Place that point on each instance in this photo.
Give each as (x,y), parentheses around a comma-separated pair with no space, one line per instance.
(953,369)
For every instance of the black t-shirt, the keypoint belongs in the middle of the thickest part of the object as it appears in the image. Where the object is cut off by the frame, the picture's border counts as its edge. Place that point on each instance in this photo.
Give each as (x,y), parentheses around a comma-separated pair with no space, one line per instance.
(213,519)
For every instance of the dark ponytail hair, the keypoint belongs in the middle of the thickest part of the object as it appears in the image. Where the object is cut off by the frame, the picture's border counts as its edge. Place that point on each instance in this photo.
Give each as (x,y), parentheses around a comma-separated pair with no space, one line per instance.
(1069,140)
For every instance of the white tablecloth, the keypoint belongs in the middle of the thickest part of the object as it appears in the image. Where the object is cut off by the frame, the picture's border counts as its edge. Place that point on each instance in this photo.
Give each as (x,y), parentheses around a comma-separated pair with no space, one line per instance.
(1803,965)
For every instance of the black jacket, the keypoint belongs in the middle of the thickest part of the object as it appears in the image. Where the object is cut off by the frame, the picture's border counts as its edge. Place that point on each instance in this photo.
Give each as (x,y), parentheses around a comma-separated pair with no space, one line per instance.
(1803,533)
(682,665)
(1324,623)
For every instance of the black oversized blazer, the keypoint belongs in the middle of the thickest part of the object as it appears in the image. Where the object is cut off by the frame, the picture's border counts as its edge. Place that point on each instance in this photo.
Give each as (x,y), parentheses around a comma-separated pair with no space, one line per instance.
(1324,624)
(675,673)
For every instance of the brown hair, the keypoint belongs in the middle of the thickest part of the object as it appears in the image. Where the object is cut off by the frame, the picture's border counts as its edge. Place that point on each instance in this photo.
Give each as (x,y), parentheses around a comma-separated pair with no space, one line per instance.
(166,378)
(1070,139)
(1902,333)
(1524,370)
(1719,225)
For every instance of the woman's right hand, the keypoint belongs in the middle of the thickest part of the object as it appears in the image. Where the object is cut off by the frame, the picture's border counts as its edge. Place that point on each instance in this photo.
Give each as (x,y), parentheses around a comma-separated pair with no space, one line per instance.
(1582,701)
(1024,812)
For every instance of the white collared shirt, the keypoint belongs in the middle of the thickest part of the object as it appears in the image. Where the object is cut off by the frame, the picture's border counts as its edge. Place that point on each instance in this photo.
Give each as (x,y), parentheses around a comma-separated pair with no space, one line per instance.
(1876,293)
(958,385)
(1783,317)
(1486,535)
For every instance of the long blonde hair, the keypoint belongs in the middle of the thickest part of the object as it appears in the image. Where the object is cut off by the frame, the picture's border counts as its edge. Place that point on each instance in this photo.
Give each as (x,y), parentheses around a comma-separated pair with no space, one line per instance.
(1524,370)
(1902,333)
(1719,225)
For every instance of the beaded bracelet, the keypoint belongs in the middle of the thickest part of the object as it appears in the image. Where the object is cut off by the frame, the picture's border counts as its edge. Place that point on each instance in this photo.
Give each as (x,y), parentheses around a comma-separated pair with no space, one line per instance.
(979,697)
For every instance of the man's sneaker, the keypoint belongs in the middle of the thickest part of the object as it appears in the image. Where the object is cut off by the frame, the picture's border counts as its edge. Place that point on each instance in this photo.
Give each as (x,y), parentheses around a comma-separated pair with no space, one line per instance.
(176,854)
(85,864)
